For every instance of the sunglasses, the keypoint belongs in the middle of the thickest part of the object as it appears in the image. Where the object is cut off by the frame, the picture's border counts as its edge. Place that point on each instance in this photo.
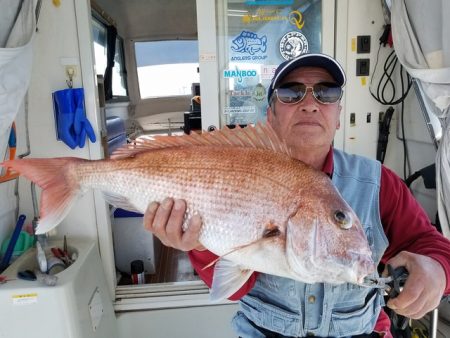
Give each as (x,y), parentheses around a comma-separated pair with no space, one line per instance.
(295,92)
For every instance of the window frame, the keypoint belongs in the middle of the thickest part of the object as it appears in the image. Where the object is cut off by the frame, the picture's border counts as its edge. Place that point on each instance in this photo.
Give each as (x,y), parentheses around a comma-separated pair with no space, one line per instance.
(159,98)
(97,19)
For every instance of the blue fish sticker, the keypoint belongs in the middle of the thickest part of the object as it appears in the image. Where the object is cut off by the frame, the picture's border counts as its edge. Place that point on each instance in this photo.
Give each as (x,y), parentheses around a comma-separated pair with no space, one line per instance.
(249,42)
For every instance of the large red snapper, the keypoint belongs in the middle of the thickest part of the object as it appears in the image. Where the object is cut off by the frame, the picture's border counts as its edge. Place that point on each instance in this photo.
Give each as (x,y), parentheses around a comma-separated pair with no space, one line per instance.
(261,209)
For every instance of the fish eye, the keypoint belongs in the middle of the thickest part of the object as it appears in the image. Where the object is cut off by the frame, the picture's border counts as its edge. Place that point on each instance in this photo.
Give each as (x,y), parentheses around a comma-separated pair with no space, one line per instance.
(343,219)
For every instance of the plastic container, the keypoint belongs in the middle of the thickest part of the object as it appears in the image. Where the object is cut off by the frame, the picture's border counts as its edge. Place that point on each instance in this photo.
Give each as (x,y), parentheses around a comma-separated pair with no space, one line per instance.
(137,272)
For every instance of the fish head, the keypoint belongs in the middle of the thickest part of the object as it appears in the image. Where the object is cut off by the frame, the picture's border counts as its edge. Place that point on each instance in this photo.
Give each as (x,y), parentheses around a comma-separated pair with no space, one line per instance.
(325,241)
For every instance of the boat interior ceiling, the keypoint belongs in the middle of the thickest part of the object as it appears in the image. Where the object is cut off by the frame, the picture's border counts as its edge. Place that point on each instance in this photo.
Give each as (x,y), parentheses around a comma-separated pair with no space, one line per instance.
(152,20)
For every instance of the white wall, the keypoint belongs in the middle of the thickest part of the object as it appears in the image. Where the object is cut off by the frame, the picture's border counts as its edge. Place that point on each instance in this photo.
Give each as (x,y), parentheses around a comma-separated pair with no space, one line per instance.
(358,17)
(365,17)
(56,41)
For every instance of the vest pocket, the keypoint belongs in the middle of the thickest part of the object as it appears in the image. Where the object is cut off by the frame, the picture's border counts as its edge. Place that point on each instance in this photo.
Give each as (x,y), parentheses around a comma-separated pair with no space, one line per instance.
(271,317)
(358,321)
(244,328)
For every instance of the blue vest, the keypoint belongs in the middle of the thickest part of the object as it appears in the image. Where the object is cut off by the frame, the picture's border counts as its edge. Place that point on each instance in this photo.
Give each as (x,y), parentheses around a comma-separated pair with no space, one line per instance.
(296,309)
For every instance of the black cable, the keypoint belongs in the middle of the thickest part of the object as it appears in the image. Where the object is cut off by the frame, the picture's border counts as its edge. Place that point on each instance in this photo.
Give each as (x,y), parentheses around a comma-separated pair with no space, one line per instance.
(386,87)
(386,79)
(406,160)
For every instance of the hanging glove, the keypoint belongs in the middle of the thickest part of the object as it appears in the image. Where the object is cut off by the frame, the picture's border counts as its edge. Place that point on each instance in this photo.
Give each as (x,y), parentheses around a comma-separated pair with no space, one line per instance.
(71,122)
(81,124)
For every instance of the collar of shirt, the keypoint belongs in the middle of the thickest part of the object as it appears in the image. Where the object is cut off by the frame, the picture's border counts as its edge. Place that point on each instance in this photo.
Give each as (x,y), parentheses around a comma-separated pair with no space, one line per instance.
(328,164)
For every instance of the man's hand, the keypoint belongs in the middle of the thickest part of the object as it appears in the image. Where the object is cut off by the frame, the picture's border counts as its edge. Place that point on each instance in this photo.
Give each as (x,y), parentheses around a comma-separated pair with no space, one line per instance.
(424,287)
(165,221)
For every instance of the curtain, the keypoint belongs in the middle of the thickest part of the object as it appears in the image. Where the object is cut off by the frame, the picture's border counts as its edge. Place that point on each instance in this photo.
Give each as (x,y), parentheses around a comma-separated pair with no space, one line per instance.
(17,26)
(111,35)
(420,31)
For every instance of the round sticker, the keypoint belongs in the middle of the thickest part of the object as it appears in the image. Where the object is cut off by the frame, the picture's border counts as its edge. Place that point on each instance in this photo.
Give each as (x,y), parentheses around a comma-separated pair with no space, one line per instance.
(293,44)
(259,93)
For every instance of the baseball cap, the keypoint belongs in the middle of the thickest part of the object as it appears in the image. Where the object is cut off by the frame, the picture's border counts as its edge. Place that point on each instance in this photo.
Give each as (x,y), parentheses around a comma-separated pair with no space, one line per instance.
(307,60)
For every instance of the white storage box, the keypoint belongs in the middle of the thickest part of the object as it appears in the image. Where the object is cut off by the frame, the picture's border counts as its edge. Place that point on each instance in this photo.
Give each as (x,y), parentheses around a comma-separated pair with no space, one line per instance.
(78,306)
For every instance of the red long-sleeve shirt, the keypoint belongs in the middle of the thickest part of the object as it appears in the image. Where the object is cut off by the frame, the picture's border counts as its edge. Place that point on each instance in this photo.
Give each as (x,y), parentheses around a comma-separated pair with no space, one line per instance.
(405,224)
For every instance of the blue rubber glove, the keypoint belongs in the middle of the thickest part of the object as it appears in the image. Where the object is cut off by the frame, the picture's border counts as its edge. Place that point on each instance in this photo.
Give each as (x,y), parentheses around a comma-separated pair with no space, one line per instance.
(81,124)
(72,124)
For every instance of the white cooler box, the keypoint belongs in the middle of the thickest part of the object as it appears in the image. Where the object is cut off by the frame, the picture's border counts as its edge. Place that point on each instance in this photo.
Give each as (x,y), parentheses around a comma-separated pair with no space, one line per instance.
(78,306)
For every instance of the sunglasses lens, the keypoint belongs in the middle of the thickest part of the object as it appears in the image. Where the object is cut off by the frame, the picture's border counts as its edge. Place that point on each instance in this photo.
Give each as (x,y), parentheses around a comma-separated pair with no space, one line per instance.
(291,93)
(327,92)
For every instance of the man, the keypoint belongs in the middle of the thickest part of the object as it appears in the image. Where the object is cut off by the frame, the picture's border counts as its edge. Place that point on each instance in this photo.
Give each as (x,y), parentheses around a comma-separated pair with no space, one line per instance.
(304,99)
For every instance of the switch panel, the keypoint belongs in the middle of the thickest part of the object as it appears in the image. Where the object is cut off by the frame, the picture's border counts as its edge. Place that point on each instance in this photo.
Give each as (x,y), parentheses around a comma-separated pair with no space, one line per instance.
(363,44)
(352,119)
(362,67)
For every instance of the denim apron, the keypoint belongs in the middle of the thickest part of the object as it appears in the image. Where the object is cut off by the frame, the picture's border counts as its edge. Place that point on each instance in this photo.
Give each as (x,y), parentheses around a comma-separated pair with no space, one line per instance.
(294,309)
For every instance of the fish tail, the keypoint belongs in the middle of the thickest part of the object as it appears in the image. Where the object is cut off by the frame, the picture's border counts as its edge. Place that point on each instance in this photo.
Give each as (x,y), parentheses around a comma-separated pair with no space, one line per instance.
(59,189)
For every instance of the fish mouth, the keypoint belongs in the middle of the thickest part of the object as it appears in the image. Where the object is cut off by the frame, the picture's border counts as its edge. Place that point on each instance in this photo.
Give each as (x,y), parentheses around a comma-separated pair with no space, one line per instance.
(314,270)
(363,266)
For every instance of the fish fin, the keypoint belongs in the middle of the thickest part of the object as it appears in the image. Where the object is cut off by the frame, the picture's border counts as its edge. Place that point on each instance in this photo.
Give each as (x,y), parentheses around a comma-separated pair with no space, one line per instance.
(261,136)
(228,279)
(120,202)
(270,231)
(230,252)
(59,191)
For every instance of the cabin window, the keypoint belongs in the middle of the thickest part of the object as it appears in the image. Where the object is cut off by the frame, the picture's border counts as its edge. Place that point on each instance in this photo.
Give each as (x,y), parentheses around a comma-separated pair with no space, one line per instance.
(166,68)
(119,85)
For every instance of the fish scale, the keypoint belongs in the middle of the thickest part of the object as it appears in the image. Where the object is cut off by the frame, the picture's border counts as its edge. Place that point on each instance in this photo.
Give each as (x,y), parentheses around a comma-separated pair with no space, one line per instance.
(241,183)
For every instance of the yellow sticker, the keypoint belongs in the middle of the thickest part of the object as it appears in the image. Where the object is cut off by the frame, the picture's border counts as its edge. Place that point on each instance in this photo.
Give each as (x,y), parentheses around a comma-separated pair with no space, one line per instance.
(27,298)
(363,80)
(296,18)
(354,45)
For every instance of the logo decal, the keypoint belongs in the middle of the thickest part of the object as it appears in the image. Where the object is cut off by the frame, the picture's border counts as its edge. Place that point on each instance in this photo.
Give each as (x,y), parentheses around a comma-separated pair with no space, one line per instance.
(259,93)
(249,42)
(264,15)
(239,74)
(296,18)
(293,44)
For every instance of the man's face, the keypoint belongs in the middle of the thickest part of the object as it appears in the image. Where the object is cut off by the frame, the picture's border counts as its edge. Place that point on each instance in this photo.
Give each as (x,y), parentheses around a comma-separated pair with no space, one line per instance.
(308,123)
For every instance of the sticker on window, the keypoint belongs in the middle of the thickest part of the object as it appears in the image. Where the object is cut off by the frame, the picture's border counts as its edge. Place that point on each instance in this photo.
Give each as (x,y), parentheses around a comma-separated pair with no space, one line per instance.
(249,43)
(259,93)
(239,74)
(293,44)
(241,93)
(268,71)
(296,19)
(240,110)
